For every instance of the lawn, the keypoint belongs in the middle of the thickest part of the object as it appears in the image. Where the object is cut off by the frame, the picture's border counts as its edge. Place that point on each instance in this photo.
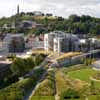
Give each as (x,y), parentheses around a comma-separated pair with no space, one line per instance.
(97,84)
(60,82)
(83,74)
(97,97)
(43,98)
(67,55)
(46,89)
(41,51)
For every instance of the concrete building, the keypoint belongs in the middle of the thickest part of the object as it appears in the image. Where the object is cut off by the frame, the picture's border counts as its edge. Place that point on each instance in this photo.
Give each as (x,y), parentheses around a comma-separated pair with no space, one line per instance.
(58,41)
(14,43)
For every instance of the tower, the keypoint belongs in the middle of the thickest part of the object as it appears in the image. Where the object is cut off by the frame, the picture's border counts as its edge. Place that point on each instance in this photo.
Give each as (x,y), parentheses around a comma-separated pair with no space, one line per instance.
(17,18)
(18,9)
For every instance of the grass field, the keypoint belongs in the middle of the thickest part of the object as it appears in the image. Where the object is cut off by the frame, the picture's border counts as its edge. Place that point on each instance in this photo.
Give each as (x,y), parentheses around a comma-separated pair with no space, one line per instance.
(97,97)
(60,82)
(67,55)
(97,84)
(43,98)
(83,74)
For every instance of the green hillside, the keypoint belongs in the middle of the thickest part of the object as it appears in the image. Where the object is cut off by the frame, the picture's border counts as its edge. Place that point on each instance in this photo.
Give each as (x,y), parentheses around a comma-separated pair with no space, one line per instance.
(75,24)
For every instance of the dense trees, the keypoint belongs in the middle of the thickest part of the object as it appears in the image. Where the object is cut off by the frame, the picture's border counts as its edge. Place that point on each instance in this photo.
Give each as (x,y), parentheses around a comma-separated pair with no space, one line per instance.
(21,66)
(75,24)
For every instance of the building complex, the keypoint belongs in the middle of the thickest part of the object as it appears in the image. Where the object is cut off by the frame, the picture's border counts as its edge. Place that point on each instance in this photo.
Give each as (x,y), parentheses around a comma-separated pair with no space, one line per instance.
(58,41)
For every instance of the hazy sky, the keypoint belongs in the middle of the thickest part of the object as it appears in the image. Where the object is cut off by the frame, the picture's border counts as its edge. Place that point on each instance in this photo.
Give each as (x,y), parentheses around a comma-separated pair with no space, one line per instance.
(57,7)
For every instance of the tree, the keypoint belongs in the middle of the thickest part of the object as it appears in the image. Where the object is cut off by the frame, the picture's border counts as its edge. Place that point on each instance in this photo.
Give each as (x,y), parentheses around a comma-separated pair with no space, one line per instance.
(18,67)
(74,18)
(69,94)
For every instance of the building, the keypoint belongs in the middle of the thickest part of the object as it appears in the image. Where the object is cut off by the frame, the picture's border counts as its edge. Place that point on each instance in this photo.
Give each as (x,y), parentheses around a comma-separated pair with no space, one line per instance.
(58,41)
(8,26)
(35,42)
(38,13)
(14,43)
(29,25)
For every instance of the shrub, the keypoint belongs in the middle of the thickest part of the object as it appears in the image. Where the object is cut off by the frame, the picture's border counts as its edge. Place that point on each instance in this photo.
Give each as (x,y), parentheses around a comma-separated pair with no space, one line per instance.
(47,86)
(70,93)
(22,66)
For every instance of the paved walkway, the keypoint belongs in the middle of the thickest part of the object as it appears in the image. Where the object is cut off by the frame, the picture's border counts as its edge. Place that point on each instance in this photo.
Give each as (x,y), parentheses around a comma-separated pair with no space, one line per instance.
(91,78)
(37,86)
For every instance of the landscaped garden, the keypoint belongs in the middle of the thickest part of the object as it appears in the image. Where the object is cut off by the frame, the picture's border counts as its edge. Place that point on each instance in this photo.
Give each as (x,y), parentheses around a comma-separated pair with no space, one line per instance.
(90,88)
(68,83)
(43,98)
(71,83)
(46,89)
(83,74)
(18,90)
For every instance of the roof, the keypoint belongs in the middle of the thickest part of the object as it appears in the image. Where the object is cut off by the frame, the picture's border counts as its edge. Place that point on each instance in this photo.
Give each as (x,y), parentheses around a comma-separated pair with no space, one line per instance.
(62,35)
(15,35)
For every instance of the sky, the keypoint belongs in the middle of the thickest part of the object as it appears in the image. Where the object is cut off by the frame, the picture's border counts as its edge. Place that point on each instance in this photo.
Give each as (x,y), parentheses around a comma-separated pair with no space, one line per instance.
(57,7)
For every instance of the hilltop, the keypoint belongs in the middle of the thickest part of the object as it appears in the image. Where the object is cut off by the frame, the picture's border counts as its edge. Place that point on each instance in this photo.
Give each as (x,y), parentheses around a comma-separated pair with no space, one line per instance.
(74,24)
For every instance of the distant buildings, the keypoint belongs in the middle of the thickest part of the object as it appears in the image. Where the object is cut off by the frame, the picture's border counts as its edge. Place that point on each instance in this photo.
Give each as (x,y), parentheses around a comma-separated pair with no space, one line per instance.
(29,25)
(8,26)
(38,13)
(56,41)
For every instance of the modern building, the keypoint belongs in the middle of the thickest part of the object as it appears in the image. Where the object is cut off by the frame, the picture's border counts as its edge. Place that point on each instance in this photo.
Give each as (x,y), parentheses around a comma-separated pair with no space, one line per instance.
(58,41)
(14,43)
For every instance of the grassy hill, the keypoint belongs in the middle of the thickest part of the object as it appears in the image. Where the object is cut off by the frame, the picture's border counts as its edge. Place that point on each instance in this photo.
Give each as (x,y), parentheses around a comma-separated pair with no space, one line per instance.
(75,24)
